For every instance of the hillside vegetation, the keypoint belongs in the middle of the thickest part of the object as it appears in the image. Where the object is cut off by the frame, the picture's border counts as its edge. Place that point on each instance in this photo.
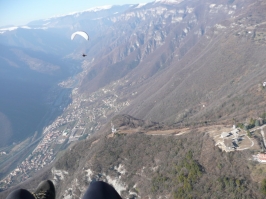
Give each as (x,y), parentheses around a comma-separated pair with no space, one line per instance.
(185,166)
(139,165)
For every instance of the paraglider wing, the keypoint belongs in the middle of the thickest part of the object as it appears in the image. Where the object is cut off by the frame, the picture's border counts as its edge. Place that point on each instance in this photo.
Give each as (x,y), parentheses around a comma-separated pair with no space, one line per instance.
(81,33)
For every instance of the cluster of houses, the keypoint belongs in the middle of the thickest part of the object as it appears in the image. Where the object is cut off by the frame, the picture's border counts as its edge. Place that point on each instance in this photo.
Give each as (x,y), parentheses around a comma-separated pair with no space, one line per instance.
(77,110)
(42,155)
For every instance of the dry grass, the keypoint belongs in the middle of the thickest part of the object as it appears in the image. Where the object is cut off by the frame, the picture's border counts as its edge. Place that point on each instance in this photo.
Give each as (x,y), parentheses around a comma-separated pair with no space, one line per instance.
(259,172)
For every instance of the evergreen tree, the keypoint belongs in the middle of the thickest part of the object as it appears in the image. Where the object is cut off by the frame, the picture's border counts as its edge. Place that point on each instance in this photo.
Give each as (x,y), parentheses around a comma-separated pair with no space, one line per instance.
(263,187)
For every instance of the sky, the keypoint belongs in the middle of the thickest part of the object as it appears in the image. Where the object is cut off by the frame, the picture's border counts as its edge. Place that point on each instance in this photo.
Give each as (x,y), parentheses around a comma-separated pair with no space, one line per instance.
(20,12)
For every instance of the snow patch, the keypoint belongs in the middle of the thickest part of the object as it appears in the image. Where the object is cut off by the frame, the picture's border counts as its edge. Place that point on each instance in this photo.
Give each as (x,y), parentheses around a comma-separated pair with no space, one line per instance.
(168,1)
(155,168)
(89,174)
(219,26)
(190,10)
(59,174)
(99,8)
(25,27)
(133,193)
(198,33)
(177,19)
(141,5)
(9,29)
(76,14)
(118,185)
(215,8)
(46,23)
(121,169)
(231,12)
(68,197)
(3,30)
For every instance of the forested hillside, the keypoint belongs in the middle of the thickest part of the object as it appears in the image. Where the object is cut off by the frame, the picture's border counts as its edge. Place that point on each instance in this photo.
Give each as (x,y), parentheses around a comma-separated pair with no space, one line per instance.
(154,166)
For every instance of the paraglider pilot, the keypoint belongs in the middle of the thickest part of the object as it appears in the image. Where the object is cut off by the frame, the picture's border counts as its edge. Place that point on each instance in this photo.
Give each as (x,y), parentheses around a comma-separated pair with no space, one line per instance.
(82,34)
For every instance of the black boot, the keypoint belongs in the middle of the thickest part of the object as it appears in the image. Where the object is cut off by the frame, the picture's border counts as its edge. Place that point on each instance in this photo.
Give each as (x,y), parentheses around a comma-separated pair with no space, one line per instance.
(45,190)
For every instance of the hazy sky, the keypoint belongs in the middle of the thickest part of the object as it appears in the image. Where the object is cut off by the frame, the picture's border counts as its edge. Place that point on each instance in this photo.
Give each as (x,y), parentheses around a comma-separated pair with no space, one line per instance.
(20,12)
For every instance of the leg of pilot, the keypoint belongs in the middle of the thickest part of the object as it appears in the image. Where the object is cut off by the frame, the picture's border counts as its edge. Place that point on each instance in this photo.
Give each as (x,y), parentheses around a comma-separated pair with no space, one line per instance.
(101,190)
(45,190)
(20,194)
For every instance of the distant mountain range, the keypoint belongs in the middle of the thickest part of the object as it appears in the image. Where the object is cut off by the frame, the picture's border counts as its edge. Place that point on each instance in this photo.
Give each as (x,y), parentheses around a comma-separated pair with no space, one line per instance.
(176,62)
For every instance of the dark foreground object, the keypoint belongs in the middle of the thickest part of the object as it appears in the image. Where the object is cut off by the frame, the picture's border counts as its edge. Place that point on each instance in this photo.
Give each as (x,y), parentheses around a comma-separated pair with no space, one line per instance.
(101,190)
(46,190)
(20,194)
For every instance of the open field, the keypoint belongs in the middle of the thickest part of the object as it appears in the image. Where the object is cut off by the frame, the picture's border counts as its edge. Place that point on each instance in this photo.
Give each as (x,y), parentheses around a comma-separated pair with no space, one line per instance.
(239,141)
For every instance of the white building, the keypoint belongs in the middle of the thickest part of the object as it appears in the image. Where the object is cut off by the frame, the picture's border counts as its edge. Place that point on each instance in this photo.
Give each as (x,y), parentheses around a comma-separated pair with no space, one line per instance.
(235,132)
(224,134)
(113,128)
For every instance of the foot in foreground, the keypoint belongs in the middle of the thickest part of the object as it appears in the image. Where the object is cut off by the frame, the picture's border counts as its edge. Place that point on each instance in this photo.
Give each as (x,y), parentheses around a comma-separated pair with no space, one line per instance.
(46,190)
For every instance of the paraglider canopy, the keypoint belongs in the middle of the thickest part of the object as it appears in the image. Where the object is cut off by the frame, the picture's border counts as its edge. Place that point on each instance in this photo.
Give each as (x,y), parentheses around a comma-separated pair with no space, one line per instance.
(81,33)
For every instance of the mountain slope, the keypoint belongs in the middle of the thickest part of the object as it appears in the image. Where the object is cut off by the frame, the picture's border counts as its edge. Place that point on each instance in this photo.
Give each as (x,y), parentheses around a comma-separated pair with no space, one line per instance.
(144,166)
(218,78)
(140,165)
(184,62)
